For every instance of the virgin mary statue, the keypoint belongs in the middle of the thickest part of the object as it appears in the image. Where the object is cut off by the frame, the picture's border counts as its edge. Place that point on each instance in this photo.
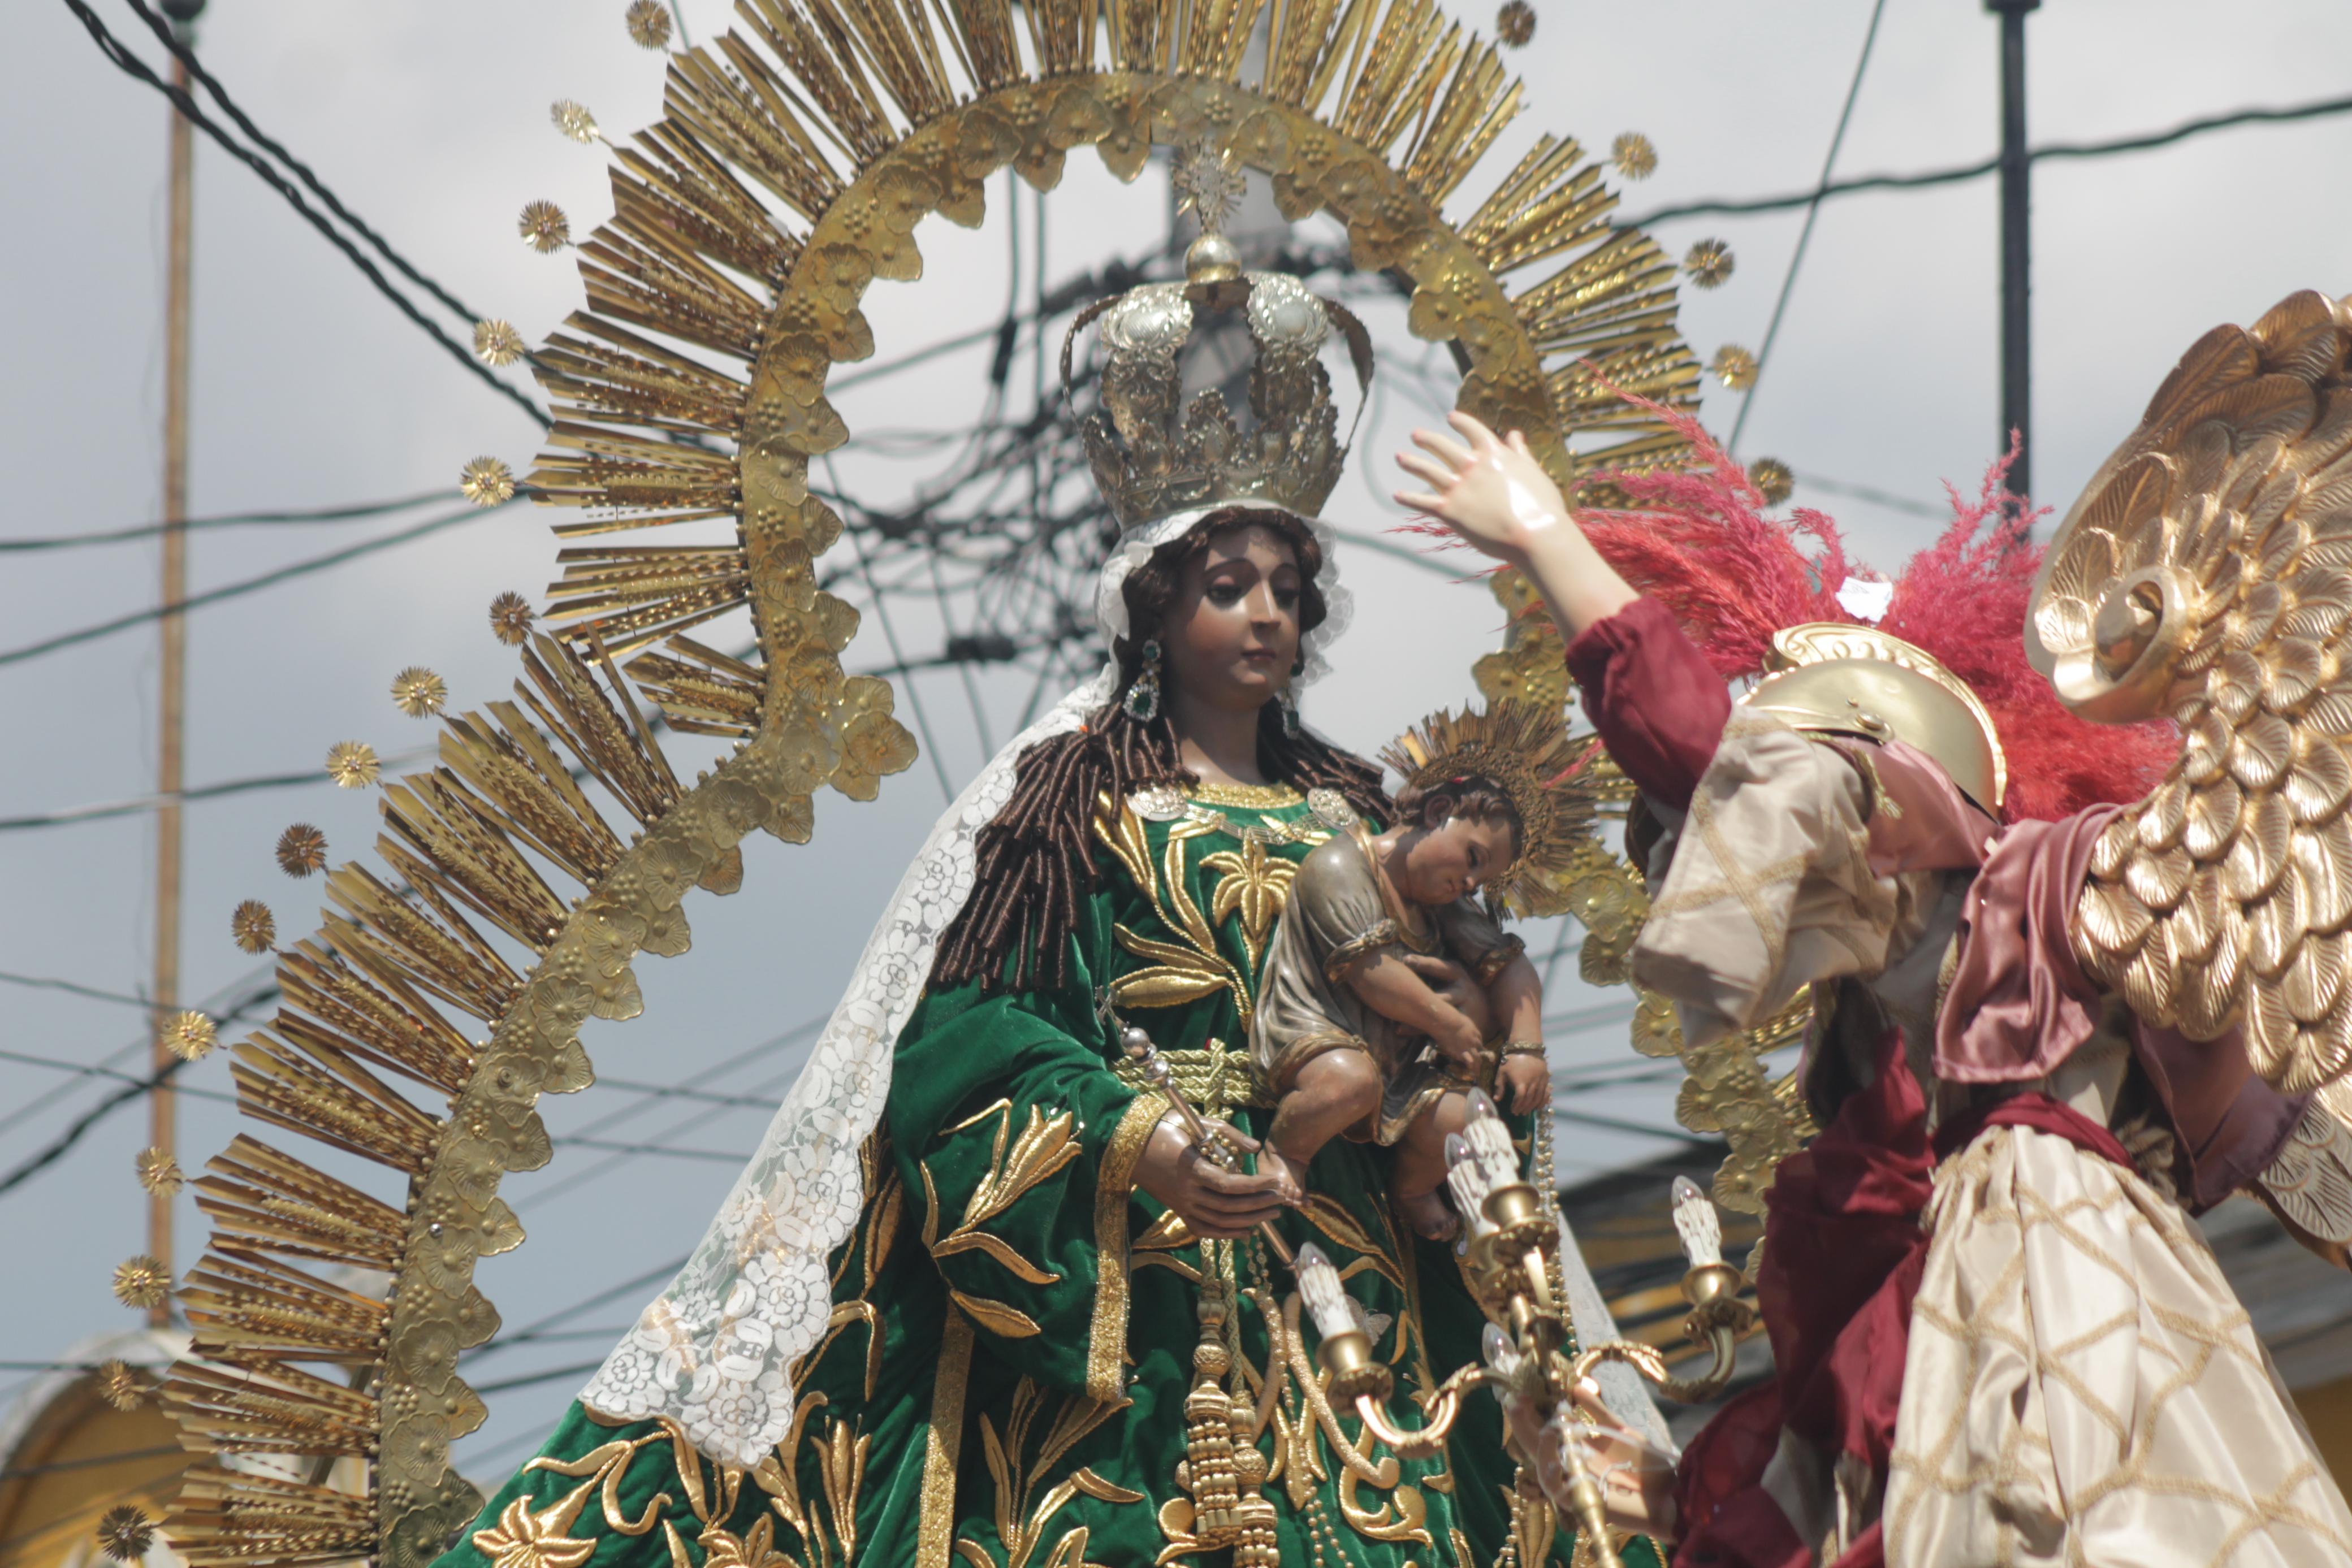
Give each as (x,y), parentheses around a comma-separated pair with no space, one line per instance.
(980,1299)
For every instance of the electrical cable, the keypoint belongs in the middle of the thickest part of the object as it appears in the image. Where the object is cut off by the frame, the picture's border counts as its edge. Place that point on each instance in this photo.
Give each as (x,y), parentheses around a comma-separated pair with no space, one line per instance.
(228,520)
(85,1070)
(24,1170)
(1804,234)
(1720,207)
(249,585)
(98,811)
(74,987)
(131,65)
(169,36)
(722,1155)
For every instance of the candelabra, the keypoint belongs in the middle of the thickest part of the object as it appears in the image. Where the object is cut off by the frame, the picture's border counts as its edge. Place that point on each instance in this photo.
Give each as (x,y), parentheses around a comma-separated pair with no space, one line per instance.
(1511,1251)
(1511,1248)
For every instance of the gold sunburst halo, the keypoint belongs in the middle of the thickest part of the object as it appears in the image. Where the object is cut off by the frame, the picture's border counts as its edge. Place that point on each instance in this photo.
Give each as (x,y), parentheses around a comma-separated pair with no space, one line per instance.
(253,926)
(1634,155)
(648,23)
(574,121)
(119,1385)
(1515,24)
(301,849)
(510,618)
(1708,264)
(352,764)
(141,1282)
(125,1533)
(190,1035)
(418,692)
(1773,480)
(487,482)
(497,343)
(1735,367)
(159,1173)
(543,227)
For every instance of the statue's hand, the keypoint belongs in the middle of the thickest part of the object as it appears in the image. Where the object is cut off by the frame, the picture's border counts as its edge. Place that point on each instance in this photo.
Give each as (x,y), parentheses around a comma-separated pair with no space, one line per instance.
(1210,1199)
(1491,492)
(1524,1083)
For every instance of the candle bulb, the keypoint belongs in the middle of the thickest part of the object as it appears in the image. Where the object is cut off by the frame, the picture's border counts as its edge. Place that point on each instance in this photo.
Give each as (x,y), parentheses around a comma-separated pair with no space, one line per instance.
(1327,1299)
(1696,1220)
(1465,1180)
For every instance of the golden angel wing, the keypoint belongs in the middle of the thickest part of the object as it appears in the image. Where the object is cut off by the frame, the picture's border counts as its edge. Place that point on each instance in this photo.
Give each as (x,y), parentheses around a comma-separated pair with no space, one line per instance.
(2206,575)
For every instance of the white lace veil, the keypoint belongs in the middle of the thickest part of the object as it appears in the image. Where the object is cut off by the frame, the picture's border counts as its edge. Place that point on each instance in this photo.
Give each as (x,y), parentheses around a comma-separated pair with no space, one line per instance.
(711,1352)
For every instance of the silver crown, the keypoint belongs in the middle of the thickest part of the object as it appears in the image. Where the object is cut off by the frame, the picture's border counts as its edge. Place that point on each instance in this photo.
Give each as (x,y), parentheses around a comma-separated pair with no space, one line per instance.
(1155,454)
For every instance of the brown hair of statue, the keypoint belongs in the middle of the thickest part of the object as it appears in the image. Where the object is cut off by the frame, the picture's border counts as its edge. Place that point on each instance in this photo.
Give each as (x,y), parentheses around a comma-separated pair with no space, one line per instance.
(1472,795)
(1035,859)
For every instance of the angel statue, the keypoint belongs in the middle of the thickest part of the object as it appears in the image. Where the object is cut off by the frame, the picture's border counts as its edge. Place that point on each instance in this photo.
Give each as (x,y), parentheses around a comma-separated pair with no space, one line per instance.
(1054,1334)
(2070,987)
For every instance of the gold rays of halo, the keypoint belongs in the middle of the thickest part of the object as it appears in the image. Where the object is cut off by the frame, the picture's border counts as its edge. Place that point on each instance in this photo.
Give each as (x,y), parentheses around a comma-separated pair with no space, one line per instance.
(795,160)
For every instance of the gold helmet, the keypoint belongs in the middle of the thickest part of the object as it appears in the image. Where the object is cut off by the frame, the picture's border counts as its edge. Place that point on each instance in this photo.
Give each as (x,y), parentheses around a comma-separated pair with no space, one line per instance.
(1831,678)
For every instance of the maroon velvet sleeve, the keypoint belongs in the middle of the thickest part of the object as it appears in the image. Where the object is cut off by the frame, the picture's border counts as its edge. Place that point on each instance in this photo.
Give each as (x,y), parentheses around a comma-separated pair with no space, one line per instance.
(1658,704)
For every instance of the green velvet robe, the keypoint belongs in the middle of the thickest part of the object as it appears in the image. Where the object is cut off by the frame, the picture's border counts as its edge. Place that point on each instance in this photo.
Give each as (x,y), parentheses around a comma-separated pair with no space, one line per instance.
(1013,1339)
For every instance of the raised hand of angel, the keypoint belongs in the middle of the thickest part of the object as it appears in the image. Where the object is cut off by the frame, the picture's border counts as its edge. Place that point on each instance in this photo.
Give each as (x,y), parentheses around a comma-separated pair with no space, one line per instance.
(1493,495)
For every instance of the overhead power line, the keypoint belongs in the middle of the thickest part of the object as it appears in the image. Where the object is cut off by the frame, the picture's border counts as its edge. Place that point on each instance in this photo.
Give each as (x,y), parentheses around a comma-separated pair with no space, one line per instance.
(1722,207)
(129,63)
(353,513)
(133,1090)
(233,589)
(1805,234)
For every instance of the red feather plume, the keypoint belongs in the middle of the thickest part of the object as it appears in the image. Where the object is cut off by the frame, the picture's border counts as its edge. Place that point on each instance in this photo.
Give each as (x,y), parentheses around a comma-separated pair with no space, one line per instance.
(1698,540)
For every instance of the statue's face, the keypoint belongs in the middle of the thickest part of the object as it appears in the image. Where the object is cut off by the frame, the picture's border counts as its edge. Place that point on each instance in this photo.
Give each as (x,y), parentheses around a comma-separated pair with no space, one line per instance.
(1231,634)
(1453,857)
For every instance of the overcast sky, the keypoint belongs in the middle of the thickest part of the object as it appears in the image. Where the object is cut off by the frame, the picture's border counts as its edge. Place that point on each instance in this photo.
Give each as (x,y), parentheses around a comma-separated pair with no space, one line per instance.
(430,118)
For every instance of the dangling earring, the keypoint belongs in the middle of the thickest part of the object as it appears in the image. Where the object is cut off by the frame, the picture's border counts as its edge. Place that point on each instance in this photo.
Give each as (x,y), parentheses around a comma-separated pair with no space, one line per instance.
(1142,700)
(1287,700)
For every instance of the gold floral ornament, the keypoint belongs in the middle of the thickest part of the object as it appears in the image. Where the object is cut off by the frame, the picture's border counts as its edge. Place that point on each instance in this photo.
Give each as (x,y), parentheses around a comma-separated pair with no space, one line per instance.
(522,1539)
(159,1173)
(1708,264)
(141,1282)
(1526,751)
(1253,884)
(487,482)
(125,1533)
(497,343)
(1634,155)
(352,764)
(119,1385)
(1735,367)
(872,742)
(418,692)
(253,926)
(1515,24)
(1772,479)
(544,228)
(648,23)
(574,121)
(510,618)
(301,849)
(191,1036)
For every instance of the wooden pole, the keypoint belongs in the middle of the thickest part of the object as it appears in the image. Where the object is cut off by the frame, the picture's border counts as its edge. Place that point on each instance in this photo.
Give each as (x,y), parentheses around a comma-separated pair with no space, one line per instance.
(173,675)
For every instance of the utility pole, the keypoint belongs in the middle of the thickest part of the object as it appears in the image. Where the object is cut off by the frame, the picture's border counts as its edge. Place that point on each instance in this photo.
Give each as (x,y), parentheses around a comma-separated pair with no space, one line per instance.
(172,682)
(2016,246)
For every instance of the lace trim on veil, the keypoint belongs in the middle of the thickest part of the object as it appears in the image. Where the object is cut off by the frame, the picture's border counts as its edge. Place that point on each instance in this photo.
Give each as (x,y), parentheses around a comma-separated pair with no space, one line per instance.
(712,1352)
